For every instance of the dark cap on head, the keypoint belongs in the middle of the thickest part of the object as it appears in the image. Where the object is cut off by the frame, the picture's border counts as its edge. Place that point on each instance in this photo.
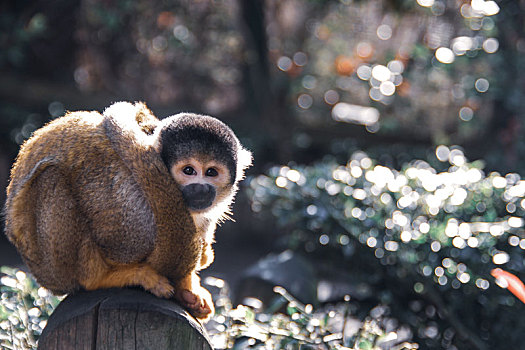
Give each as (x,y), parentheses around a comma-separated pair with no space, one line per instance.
(185,135)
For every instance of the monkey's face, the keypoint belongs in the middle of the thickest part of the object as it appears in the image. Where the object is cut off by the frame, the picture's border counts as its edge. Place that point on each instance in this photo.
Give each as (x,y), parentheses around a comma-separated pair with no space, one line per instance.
(203,182)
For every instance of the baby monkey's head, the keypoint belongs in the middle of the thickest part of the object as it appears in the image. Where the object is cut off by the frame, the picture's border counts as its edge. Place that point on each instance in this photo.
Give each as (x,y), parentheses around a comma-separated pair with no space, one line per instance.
(204,157)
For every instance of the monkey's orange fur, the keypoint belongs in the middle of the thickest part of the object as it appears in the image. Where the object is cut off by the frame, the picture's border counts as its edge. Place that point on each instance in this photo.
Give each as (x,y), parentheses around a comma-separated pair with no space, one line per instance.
(91,205)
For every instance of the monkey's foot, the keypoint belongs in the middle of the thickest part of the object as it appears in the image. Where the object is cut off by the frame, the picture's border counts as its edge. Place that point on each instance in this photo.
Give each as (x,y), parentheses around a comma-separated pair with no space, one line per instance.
(198,303)
(131,275)
(162,288)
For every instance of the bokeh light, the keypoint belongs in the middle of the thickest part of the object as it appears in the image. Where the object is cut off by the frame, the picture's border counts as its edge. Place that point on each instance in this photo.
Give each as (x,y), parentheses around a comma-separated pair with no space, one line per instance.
(305,101)
(466,114)
(355,114)
(426,3)
(284,63)
(384,32)
(482,85)
(381,73)
(445,55)
(491,45)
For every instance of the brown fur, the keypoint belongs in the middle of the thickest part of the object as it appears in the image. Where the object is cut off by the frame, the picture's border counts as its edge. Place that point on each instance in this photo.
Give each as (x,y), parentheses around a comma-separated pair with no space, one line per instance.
(91,205)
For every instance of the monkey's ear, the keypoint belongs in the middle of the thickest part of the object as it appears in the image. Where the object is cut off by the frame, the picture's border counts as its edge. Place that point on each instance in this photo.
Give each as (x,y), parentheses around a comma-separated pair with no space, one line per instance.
(244,161)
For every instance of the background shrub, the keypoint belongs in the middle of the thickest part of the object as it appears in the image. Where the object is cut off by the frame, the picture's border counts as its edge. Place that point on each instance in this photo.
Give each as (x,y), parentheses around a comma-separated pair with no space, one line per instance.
(425,240)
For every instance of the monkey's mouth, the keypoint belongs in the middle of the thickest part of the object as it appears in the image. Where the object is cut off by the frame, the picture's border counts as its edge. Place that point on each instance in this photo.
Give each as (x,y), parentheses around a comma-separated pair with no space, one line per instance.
(199,203)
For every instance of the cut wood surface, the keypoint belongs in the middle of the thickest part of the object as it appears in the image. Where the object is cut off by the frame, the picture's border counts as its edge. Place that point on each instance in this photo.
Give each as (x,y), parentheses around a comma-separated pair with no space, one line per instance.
(112,319)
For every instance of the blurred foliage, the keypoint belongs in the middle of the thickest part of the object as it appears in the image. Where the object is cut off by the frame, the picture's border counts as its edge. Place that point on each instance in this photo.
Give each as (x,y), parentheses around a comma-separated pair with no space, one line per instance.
(24,309)
(300,327)
(430,71)
(426,239)
(180,51)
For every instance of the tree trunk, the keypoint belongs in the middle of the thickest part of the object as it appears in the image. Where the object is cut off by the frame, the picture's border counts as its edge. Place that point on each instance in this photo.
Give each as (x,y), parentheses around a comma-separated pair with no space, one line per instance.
(121,319)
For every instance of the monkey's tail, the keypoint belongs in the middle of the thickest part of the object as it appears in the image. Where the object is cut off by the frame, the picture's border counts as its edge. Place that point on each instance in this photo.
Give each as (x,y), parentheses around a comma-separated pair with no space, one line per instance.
(17,199)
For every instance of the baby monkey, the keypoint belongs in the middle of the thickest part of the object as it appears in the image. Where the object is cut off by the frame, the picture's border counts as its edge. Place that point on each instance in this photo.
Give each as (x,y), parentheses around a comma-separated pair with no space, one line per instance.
(120,199)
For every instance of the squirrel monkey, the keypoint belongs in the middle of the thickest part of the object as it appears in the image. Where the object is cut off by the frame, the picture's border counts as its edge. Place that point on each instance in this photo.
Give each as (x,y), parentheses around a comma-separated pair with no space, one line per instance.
(121,198)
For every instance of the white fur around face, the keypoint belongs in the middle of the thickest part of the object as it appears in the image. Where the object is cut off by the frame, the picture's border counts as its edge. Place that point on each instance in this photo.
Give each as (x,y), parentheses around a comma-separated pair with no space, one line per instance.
(244,161)
(206,221)
(205,226)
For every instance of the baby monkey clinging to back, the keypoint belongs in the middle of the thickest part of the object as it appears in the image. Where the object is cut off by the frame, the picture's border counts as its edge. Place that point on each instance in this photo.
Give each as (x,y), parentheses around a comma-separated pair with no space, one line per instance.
(119,199)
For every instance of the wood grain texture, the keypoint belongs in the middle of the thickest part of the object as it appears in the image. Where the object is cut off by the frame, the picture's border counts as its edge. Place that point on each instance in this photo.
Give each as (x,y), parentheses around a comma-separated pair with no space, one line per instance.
(113,319)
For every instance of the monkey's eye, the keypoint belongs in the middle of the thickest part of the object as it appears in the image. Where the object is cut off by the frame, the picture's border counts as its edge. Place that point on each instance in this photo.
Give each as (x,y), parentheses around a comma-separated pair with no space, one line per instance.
(212,172)
(189,170)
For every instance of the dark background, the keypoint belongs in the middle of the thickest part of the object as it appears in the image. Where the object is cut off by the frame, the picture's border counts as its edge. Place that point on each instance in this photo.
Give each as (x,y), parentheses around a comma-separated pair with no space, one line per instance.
(274,71)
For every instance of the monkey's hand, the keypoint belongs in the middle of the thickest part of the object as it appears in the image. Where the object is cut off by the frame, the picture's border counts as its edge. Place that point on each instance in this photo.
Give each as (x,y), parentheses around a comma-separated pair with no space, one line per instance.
(196,299)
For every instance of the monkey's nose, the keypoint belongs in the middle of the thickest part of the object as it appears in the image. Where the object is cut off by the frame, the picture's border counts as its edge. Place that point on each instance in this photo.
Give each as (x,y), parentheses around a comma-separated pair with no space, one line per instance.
(198,196)
(200,189)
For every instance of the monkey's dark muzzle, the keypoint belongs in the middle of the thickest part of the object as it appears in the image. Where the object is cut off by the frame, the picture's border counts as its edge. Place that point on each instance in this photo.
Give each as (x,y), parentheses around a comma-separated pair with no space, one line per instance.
(198,196)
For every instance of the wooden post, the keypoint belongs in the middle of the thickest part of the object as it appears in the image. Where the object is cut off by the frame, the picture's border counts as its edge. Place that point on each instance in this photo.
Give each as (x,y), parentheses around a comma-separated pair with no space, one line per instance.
(113,319)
